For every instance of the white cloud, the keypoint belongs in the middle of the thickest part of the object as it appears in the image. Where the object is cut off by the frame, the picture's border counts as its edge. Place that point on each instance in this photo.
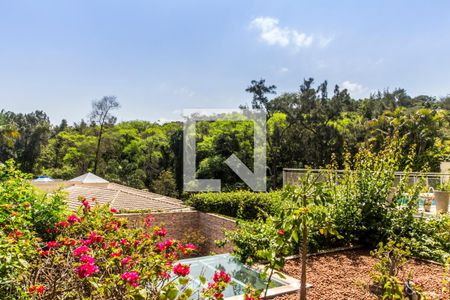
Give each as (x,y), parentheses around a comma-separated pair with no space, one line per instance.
(272,34)
(284,70)
(354,88)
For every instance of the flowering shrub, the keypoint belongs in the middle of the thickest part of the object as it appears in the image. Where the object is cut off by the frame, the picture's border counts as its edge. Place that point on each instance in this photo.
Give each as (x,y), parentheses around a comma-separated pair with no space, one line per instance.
(95,255)
(215,289)
(25,216)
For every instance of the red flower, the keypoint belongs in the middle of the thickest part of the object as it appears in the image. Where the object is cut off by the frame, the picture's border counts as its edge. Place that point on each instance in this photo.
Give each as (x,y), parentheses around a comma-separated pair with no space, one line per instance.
(40,289)
(86,270)
(115,254)
(113,210)
(18,233)
(131,277)
(86,205)
(181,270)
(69,242)
(73,219)
(280,232)
(81,250)
(45,253)
(123,242)
(221,276)
(160,232)
(95,238)
(52,244)
(62,224)
(127,260)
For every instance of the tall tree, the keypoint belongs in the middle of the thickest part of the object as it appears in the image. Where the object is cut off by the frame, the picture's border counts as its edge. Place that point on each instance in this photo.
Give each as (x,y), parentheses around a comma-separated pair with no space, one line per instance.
(101,116)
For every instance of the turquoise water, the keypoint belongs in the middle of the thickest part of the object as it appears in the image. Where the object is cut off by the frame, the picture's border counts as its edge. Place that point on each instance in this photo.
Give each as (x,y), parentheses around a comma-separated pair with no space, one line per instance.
(240,274)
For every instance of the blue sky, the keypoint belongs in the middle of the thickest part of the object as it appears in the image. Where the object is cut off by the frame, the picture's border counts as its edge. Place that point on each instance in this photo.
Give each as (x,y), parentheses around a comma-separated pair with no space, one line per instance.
(159,57)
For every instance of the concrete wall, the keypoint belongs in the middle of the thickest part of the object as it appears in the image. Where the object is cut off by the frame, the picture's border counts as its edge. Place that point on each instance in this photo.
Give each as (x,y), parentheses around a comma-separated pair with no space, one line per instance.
(189,225)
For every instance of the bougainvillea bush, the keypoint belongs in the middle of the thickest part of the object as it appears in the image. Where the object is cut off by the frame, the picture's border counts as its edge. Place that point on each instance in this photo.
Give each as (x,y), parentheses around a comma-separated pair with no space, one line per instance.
(88,254)
(95,255)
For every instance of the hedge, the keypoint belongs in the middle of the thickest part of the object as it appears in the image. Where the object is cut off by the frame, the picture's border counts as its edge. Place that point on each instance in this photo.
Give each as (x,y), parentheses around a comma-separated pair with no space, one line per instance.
(240,204)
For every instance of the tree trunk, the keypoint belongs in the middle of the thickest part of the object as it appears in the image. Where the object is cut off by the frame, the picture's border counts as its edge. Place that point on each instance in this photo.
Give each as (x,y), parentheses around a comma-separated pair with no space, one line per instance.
(97,152)
(304,255)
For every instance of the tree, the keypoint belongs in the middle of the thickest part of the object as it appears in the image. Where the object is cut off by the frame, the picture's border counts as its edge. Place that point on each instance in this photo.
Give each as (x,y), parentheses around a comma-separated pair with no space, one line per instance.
(308,213)
(101,115)
(259,89)
(165,184)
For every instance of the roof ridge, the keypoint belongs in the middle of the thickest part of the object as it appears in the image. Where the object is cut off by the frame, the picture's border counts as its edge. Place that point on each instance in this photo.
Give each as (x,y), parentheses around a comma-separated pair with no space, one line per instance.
(115,197)
(148,197)
(141,191)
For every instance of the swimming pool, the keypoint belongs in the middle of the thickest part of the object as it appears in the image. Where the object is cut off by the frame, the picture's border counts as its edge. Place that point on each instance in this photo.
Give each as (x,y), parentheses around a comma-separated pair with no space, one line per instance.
(241,275)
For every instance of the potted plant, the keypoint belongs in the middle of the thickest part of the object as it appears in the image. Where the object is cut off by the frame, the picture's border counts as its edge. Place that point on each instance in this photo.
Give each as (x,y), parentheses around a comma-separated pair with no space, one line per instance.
(442,196)
(428,200)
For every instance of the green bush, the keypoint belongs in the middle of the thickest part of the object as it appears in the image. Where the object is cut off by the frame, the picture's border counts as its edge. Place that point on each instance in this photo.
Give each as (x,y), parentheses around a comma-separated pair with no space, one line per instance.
(26,216)
(241,204)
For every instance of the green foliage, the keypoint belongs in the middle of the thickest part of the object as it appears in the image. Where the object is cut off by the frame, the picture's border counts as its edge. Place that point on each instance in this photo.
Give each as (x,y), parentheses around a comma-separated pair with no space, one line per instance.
(386,276)
(25,218)
(165,184)
(240,204)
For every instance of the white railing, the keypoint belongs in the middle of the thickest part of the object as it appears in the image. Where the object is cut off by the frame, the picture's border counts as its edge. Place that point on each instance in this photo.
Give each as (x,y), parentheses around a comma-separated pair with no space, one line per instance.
(432,179)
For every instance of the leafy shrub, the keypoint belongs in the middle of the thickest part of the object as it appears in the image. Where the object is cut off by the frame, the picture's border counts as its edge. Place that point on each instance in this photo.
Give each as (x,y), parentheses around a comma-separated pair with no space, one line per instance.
(241,204)
(25,216)
(96,255)
(48,253)
(386,276)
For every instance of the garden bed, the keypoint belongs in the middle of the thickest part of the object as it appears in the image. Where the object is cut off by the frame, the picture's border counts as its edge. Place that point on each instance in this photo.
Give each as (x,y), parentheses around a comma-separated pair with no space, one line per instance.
(346,274)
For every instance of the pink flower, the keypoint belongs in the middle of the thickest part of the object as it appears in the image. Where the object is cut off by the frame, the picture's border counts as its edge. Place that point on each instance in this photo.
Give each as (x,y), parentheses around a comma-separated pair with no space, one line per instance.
(52,244)
(181,270)
(126,261)
(123,242)
(86,242)
(160,232)
(131,277)
(86,270)
(81,250)
(113,210)
(87,259)
(168,243)
(73,219)
(148,220)
(160,246)
(221,276)
(190,246)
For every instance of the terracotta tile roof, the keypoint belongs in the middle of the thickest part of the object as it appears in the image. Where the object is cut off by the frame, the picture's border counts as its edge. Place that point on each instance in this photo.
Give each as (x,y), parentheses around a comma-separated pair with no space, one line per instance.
(122,197)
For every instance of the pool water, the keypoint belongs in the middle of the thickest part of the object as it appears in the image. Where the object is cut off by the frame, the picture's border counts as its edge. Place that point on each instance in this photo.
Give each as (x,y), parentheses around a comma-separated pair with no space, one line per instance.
(241,275)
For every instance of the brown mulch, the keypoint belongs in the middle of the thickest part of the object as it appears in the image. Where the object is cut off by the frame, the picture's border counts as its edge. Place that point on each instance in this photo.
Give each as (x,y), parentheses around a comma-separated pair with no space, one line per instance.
(346,275)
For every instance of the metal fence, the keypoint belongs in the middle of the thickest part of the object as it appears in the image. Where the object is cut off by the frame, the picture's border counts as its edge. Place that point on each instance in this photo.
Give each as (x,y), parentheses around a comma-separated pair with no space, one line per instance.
(433,180)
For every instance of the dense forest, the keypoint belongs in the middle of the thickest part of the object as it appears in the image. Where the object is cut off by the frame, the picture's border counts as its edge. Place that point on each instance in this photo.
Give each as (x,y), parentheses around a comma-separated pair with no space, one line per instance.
(308,127)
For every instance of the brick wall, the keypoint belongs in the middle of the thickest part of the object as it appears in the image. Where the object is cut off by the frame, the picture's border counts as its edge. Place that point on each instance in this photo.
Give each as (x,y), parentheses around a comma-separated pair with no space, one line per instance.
(189,225)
